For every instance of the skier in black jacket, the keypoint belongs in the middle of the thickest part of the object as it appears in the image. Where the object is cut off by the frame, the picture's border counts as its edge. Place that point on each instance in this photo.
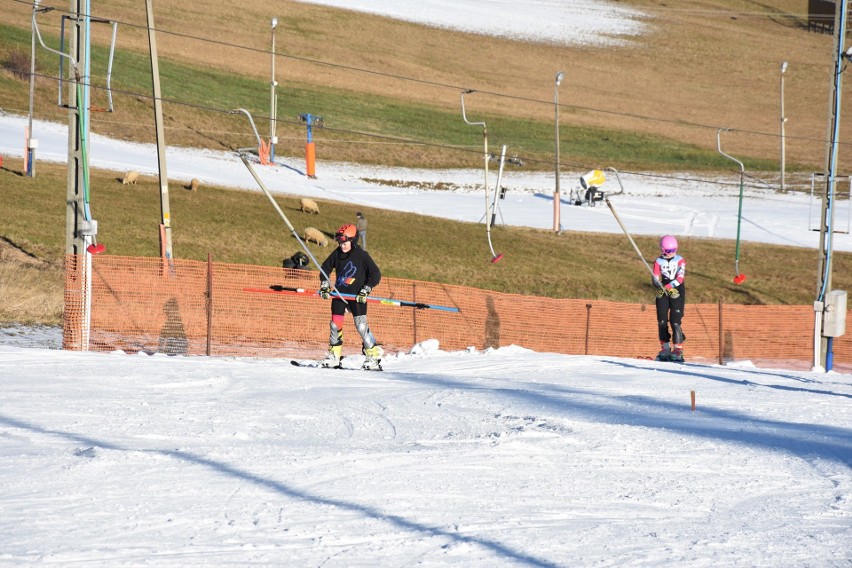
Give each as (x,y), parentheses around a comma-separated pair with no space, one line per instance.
(356,274)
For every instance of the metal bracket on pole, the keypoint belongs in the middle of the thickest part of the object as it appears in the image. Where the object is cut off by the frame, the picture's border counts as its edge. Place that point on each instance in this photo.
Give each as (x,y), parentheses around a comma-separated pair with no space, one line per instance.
(494,256)
(110,107)
(253,127)
(618,179)
(41,41)
(497,191)
(109,66)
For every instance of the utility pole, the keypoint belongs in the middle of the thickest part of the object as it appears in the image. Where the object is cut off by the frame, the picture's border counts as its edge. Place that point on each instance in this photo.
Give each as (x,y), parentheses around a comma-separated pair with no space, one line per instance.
(557,194)
(75,191)
(827,218)
(165,215)
(32,143)
(74,333)
(783,120)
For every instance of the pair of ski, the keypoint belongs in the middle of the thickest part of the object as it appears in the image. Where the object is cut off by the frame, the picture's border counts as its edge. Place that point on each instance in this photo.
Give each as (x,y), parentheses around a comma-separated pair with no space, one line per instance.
(318,365)
(668,359)
(663,359)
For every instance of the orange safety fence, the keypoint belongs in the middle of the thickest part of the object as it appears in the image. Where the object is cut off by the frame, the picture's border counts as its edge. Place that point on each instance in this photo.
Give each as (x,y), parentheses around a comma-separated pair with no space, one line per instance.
(197,308)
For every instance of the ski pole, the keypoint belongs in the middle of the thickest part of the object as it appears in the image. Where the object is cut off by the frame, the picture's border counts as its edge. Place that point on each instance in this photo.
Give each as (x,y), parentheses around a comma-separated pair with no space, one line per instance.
(275,289)
(632,242)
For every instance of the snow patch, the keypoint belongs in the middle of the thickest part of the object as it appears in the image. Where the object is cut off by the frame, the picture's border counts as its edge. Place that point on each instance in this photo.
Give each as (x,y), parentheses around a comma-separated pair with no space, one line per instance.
(424,348)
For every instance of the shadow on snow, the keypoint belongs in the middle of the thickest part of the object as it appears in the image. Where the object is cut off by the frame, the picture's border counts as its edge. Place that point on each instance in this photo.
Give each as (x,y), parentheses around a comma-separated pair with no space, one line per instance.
(288,491)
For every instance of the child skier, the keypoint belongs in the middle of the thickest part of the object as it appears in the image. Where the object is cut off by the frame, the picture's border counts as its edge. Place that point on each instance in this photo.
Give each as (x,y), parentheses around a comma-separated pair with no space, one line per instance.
(669,273)
(355,273)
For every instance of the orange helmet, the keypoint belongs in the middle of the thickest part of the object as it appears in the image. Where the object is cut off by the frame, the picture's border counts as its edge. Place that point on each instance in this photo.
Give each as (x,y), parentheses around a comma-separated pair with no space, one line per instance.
(346,233)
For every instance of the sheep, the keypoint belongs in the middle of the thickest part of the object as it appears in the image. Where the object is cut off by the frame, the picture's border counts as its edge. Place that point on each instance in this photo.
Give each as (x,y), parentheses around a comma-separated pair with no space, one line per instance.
(315,235)
(130,177)
(193,185)
(309,206)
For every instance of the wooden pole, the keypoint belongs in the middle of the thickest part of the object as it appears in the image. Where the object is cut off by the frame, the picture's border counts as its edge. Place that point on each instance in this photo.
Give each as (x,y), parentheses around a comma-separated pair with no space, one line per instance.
(165,213)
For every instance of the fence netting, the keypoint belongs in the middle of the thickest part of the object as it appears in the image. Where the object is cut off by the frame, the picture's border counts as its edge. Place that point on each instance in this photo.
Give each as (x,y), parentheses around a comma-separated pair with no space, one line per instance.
(210,308)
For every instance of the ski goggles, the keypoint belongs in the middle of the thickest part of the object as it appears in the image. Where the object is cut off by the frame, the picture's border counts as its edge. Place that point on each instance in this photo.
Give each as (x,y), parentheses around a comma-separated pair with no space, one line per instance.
(669,251)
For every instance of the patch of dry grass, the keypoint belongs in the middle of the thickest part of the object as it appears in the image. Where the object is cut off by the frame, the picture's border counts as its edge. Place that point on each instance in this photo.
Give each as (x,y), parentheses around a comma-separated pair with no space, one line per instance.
(30,294)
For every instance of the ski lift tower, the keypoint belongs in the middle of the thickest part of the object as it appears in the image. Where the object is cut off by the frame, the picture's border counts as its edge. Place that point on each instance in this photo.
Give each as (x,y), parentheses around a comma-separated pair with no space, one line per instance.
(830,306)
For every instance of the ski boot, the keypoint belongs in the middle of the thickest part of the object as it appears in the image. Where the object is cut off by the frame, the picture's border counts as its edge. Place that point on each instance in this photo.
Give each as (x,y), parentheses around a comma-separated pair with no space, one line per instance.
(333,357)
(373,362)
(677,354)
(665,353)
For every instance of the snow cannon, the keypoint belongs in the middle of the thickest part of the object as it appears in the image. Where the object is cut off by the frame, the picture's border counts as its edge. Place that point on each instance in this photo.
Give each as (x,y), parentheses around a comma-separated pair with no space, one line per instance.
(594,178)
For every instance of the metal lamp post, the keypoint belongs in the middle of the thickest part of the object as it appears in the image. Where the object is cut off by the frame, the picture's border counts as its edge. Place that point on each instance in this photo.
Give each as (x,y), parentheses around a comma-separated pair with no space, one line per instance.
(31,143)
(557,200)
(273,138)
(783,120)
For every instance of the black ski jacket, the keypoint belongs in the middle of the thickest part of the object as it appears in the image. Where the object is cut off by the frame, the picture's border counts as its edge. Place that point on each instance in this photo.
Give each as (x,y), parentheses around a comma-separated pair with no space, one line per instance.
(353,270)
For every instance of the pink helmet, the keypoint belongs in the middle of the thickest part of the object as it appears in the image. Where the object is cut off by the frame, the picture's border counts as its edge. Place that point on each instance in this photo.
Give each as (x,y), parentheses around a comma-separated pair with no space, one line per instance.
(668,245)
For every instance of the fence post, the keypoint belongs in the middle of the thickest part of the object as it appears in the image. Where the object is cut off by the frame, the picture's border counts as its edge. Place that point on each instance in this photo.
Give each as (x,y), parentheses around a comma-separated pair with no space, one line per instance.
(209,300)
(588,318)
(721,336)
(414,313)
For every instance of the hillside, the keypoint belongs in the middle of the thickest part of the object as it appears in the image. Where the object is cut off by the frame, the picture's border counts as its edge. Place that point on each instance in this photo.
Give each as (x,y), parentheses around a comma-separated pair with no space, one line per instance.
(653,104)
(240,227)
